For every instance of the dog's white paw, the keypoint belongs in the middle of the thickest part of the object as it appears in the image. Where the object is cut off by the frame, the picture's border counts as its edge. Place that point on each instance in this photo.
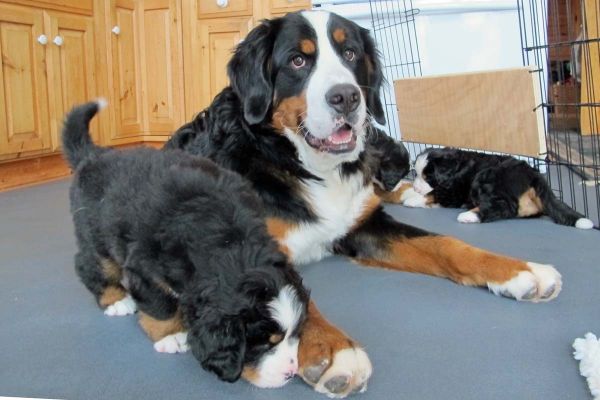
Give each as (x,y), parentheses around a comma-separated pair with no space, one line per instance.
(349,373)
(125,306)
(584,223)
(410,198)
(175,343)
(468,217)
(541,283)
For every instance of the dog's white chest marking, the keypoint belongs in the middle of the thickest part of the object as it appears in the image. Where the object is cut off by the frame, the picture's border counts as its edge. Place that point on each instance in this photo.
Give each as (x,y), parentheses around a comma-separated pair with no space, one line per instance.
(338,202)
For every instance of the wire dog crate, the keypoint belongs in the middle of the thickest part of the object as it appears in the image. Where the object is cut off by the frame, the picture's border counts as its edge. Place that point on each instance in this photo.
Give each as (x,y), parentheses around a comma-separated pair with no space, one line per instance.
(561,38)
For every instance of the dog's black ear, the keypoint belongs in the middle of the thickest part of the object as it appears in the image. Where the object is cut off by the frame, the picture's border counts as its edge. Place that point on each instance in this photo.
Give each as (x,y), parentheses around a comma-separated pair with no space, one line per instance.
(216,337)
(375,77)
(249,71)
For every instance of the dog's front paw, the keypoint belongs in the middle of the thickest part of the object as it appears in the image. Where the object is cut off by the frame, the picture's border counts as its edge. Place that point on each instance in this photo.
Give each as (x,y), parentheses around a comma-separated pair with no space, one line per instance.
(334,365)
(175,343)
(125,306)
(541,283)
(468,217)
(410,198)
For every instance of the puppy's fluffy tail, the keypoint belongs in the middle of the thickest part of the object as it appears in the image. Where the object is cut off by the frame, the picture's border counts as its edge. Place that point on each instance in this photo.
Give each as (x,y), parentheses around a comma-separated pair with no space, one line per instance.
(76,140)
(559,211)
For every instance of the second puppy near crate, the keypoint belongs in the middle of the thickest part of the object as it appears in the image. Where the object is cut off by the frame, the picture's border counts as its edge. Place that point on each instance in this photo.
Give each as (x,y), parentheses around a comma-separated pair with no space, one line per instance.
(184,241)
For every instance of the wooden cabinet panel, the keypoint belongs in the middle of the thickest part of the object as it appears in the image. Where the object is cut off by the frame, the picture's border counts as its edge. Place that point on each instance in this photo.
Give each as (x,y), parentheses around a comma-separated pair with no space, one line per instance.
(126,67)
(72,69)
(23,82)
(163,66)
(224,8)
(217,39)
(285,6)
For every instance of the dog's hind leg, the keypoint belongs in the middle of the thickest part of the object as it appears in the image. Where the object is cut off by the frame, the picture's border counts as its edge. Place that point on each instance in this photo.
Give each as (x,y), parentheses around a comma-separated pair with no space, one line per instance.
(102,277)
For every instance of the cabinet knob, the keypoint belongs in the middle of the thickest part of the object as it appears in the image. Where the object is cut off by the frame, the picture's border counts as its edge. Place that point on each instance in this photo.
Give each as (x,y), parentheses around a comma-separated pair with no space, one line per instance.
(222,3)
(116,30)
(42,39)
(58,40)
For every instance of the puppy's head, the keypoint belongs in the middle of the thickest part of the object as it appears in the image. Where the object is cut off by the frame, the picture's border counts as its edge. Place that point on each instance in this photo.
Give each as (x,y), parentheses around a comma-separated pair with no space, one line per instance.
(393,160)
(250,329)
(315,77)
(436,168)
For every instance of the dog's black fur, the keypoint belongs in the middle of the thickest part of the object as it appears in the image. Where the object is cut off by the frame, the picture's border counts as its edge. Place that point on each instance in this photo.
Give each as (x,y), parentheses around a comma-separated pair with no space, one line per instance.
(492,183)
(175,221)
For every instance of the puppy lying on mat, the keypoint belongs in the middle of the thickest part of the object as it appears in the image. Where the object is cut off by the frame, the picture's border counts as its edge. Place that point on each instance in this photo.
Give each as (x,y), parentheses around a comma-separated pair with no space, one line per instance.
(185,242)
(492,187)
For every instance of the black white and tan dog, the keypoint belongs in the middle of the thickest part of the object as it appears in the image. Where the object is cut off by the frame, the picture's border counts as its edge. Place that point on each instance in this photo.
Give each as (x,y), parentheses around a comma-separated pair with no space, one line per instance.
(295,122)
(492,187)
(184,241)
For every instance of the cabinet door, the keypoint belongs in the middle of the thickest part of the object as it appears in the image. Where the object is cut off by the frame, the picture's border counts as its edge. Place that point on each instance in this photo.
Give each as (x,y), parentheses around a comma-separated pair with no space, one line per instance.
(72,68)
(217,39)
(126,69)
(23,82)
(162,67)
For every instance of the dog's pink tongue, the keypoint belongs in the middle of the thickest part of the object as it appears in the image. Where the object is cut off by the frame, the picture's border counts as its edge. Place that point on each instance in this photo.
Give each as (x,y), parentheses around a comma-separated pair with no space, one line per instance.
(342,135)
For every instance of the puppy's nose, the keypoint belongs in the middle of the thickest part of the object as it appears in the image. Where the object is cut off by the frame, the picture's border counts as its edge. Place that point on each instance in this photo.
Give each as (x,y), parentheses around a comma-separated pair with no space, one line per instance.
(343,98)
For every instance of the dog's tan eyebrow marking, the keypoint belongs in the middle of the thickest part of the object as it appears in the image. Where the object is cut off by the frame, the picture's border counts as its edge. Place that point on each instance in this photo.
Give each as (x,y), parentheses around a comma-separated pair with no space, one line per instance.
(339,35)
(307,46)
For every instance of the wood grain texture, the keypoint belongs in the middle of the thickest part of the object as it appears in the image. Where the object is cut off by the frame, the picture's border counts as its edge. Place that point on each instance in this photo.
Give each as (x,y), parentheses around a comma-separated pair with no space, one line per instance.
(493,110)
(590,71)
(72,6)
(234,8)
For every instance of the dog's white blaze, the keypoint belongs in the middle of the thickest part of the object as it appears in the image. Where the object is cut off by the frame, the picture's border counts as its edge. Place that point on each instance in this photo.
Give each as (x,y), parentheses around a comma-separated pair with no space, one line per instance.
(328,71)
(286,309)
(338,203)
(420,185)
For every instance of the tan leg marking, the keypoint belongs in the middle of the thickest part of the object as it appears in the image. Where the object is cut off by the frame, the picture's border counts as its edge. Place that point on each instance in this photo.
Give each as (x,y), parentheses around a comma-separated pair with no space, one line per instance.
(530,204)
(157,329)
(111,295)
(111,270)
(450,258)
(278,229)
(392,197)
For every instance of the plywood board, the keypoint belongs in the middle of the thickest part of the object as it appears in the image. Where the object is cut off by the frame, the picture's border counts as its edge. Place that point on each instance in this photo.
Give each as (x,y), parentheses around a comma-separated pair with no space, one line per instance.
(590,71)
(492,110)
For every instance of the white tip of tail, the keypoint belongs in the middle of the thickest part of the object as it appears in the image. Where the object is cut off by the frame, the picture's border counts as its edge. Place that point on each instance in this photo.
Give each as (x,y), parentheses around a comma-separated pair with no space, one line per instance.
(102,102)
(584,223)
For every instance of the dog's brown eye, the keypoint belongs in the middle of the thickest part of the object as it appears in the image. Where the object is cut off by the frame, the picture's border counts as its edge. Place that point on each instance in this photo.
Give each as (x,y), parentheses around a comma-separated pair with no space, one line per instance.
(298,62)
(349,54)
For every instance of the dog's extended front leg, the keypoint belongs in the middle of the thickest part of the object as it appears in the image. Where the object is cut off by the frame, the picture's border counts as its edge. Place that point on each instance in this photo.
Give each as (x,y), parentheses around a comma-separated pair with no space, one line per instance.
(384,242)
(329,360)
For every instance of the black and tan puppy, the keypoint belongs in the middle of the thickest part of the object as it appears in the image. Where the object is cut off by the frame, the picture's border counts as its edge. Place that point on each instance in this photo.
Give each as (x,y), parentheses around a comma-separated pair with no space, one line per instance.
(185,242)
(492,187)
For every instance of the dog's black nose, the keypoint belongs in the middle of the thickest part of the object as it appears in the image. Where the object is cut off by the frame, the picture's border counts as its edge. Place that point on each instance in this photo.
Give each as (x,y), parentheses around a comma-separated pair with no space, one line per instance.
(343,98)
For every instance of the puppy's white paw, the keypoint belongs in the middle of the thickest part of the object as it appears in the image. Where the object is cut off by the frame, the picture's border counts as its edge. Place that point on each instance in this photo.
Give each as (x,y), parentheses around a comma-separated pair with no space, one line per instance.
(410,198)
(175,343)
(125,306)
(541,283)
(468,217)
(584,223)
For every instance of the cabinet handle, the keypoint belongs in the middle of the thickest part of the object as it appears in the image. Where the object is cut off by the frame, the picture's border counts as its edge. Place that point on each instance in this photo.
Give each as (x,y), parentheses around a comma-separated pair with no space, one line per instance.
(42,39)
(222,3)
(58,40)
(116,30)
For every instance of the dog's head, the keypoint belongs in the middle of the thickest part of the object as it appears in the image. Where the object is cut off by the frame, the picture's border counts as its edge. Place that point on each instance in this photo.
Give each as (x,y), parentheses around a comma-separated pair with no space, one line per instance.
(315,77)
(248,325)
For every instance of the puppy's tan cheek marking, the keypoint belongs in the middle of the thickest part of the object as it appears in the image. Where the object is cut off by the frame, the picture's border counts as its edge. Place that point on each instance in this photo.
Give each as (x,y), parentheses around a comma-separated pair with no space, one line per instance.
(278,229)
(392,197)
(289,113)
(275,338)
(339,35)
(308,46)
(530,204)
(157,329)
(250,374)
(111,295)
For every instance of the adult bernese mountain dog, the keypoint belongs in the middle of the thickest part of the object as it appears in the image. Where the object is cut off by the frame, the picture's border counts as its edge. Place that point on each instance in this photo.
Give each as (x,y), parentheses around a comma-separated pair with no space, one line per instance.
(184,241)
(492,187)
(294,122)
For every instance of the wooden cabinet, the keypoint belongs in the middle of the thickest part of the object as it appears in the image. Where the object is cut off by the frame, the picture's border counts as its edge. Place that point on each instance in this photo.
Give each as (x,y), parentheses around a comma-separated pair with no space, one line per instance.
(24,120)
(71,68)
(147,68)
